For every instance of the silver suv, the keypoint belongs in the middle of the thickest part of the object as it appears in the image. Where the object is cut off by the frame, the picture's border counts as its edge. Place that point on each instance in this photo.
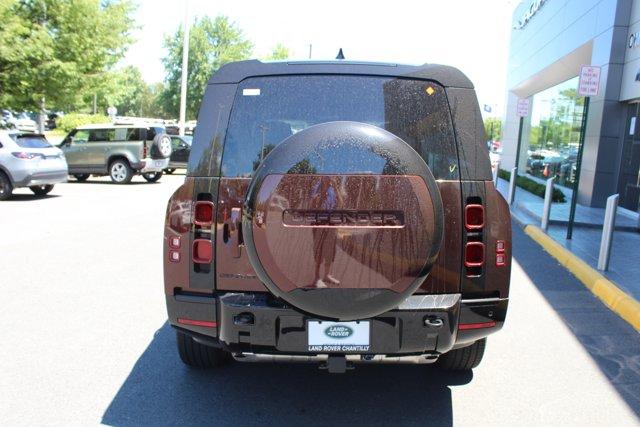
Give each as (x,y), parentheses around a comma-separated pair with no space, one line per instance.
(28,160)
(120,151)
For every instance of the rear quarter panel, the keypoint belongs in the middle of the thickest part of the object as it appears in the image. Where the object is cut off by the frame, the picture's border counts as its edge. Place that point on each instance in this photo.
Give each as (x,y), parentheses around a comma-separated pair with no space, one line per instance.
(130,150)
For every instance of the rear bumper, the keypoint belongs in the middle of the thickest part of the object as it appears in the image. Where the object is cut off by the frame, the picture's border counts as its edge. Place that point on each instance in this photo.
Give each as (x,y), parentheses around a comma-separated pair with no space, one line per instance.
(177,165)
(152,165)
(258,323)
(42,178)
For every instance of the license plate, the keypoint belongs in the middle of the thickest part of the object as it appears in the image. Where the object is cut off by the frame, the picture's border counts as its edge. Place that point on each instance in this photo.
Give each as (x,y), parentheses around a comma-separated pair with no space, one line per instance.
(326,337)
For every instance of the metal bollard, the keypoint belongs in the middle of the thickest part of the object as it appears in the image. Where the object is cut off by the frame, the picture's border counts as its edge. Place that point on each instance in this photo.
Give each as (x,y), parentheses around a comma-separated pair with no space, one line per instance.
(512,186)
(607,232)
(495,174)
(546,210)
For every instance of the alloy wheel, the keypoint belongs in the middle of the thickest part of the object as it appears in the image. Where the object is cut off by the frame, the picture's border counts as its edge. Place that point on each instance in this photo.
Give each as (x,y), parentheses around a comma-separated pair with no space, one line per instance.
(118,172)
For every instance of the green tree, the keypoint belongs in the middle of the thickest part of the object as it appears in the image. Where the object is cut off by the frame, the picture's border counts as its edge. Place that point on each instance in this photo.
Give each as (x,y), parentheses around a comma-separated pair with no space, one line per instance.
(59,49)
(279,52)
(493,128)
(212,43)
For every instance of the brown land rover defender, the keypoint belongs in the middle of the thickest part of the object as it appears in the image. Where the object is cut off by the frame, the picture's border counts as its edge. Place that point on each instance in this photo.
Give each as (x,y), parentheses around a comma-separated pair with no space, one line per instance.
(337,211)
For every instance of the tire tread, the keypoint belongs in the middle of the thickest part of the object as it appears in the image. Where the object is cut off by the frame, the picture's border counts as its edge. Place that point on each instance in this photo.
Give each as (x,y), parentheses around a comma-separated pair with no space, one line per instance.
(464,359)
(197,355)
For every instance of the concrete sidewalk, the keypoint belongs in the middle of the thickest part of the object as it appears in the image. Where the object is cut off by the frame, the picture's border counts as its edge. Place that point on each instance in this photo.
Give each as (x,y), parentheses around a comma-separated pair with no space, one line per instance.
(624,268)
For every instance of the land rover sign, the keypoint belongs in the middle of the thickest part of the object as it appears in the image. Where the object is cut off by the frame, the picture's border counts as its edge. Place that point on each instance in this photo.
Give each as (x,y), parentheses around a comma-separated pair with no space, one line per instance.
(338,331)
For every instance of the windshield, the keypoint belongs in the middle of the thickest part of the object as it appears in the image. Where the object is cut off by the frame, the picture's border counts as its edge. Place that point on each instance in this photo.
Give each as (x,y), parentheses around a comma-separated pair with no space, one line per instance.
(267,110)
(31,141)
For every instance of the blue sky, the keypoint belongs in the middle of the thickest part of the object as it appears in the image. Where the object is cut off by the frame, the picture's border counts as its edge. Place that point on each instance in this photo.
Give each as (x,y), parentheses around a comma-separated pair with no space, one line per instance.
(469,34)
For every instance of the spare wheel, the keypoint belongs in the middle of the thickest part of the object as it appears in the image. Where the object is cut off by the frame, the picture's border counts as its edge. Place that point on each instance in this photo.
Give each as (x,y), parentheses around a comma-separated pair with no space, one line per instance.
(161,146)
(343,220)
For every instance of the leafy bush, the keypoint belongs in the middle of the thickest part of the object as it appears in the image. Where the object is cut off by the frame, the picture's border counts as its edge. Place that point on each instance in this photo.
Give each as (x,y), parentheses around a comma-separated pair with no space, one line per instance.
(532,186)
(73,120)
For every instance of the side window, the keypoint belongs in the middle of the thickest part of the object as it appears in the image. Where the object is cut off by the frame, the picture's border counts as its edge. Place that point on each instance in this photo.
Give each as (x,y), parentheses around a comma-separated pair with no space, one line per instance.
(120,134)
(176,143)
(136,134)
(101,135)
(80,136)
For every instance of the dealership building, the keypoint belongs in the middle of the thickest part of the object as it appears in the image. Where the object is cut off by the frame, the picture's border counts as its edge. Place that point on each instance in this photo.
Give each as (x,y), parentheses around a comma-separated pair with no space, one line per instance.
(550,41)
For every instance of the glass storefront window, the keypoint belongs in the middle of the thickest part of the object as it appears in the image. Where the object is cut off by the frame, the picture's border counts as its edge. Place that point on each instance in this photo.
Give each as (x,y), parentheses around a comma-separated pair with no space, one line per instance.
(554,134)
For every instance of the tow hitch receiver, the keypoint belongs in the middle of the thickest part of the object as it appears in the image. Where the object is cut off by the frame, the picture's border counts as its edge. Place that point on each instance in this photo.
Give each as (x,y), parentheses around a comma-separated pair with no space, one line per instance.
(336,364)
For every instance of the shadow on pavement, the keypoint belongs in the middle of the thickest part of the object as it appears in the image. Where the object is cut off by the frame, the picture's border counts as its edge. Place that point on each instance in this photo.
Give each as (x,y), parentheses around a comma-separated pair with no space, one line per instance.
(161,390)
(29,197)
(90,182)
(612,343)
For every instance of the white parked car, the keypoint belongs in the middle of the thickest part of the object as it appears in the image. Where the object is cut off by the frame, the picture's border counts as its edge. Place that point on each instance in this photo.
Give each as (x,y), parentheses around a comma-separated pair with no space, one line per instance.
(24,123)
(28,160)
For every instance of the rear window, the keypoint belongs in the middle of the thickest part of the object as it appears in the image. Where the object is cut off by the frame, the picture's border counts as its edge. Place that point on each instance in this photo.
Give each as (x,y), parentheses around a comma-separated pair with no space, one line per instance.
(31,141)
(267,110)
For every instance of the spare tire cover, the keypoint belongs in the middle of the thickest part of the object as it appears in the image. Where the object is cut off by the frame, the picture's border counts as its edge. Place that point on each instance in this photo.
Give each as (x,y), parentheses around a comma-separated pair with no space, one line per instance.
(161,146)
(343,220)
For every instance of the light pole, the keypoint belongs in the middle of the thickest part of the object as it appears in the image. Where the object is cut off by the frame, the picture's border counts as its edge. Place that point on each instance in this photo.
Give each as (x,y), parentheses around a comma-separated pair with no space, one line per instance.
(184,73)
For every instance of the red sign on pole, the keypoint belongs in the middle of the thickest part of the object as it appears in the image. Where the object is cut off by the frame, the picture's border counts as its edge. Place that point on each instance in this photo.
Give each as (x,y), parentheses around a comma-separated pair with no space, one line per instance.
(589,80)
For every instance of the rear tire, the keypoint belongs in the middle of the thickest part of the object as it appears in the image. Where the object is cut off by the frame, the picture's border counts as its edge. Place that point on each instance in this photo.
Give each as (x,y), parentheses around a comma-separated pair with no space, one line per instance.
(5,187)
(199,355)
(81,177)
(41,190)
(120,172)
(463,359)
(152,176)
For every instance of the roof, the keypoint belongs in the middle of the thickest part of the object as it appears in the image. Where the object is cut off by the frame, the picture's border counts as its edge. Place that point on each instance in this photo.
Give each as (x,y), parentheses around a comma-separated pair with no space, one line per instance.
(235,72)
(140,124)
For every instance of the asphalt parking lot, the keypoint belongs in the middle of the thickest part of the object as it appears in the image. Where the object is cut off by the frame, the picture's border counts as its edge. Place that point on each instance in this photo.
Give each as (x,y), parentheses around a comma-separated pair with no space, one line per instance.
(84,338)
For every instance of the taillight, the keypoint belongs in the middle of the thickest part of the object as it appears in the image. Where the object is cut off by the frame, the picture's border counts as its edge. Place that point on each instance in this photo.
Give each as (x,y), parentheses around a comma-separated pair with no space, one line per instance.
(474,248)
(202,251)
(474,254)
(474,217)
(203,215)
(27,156)
(144,150)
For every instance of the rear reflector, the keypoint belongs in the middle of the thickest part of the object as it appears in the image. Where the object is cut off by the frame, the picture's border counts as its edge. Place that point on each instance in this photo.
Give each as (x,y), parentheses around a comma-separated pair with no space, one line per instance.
(202,251)
(205,323)
(474,254)
(203,213)
(474,217)
(466,326)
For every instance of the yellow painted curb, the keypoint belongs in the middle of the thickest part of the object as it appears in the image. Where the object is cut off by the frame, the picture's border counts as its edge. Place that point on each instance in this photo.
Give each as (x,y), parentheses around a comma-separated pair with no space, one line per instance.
(619,302)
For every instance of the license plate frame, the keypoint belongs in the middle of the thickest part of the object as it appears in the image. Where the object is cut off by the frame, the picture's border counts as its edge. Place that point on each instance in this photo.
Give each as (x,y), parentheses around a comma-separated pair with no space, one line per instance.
(338,337)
